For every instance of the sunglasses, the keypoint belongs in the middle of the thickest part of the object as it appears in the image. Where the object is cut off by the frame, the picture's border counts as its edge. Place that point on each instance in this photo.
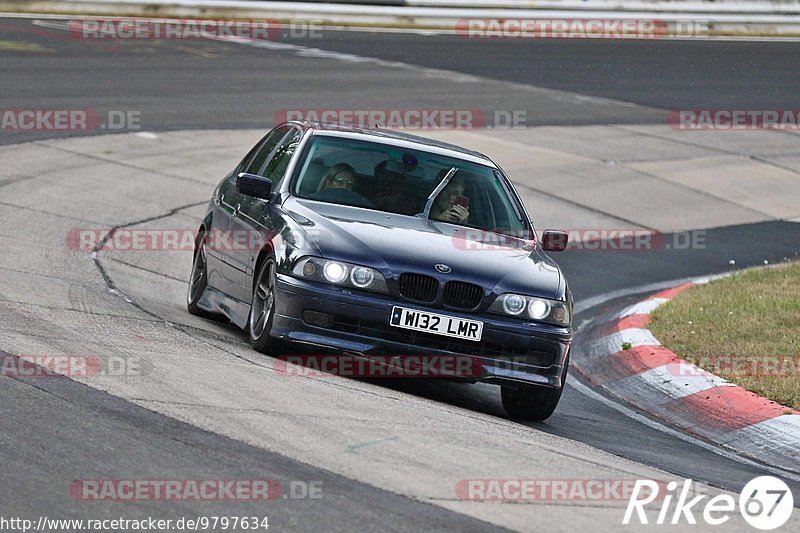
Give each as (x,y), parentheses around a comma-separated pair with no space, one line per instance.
(347,178)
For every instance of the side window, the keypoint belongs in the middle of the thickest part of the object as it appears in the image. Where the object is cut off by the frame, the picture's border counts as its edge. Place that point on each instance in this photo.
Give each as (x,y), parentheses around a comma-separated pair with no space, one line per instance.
(276,167)
(257,160)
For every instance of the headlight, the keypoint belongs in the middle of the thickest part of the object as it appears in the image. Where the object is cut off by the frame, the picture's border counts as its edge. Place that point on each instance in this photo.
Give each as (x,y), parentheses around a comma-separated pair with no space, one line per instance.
(362,277)
(538,308)
(541,309)
(514,304)
(335,272)
(340,273)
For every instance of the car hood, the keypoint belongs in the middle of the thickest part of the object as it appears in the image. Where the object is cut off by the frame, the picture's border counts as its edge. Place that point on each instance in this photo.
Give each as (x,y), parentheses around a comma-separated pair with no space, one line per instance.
(396,243)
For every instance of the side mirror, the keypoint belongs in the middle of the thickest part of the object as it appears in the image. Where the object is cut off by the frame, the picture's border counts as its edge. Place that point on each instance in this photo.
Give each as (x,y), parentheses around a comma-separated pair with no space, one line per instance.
(554,240)
(253,185)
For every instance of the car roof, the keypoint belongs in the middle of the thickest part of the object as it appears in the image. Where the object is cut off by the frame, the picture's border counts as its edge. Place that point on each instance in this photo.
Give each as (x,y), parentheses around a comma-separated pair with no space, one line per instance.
(397,138)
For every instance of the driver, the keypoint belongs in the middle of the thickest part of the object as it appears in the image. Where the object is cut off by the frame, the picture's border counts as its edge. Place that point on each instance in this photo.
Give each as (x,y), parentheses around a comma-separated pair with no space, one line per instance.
(336,186)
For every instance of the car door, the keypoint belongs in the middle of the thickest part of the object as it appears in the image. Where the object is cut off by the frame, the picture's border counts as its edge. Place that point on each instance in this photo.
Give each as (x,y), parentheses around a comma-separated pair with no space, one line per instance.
(245,227)
(216,264)
(228,204)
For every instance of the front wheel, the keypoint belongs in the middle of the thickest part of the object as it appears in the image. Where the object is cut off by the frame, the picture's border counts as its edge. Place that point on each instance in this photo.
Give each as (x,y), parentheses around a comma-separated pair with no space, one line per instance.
(262,310)
(530,403)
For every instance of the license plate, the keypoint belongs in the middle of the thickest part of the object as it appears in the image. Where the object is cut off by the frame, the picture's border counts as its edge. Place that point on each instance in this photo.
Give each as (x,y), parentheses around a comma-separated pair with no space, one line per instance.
(435,323)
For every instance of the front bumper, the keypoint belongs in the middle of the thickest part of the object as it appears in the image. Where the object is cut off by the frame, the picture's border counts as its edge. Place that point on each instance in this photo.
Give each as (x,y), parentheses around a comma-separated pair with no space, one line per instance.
(511,351)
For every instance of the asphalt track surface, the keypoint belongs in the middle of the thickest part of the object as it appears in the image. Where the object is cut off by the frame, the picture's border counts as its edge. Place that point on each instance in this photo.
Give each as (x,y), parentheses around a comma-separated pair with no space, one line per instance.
(62,426)
(239,86)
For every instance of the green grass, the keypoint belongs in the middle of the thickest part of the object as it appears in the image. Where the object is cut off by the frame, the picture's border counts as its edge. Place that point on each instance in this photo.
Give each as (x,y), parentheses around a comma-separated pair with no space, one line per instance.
(745,328)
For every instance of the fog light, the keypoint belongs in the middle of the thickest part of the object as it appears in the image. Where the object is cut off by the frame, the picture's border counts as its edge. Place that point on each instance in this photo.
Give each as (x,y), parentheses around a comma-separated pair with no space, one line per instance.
(362,277)
(335,272)
(513,304)
(315,318)
(538,309)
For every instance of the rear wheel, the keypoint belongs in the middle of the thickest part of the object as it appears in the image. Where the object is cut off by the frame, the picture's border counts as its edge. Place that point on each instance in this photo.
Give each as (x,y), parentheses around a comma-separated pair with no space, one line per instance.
(262,310)
(198,280)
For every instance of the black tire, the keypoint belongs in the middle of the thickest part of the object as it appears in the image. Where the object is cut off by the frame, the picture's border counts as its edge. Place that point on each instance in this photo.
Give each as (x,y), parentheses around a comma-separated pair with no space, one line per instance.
(262,309)
(530,403)
(533,403)
(198,280)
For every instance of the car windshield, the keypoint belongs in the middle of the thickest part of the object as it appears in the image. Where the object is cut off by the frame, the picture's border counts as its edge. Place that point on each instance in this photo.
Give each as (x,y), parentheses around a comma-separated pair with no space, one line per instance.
(397,180)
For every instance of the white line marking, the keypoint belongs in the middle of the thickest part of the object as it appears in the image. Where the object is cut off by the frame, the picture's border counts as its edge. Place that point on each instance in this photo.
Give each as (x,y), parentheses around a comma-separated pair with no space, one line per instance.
(586,391)
(668,381)
(743,434)
(450,75)
(645,307)
(52,25)
(613,343)
(305,51)
(594,301)
(777,437)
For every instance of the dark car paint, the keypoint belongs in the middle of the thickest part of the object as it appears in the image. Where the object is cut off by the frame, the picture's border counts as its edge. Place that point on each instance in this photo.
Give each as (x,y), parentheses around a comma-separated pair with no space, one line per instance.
(294,227)
(396,243)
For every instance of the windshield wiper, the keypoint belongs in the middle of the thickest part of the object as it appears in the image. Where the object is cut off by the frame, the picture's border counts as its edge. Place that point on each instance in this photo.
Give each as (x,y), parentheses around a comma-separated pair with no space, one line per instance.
(429,204)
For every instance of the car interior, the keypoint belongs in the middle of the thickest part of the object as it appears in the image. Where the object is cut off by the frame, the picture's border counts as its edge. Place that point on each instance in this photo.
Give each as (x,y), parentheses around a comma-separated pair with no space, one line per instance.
(409,179)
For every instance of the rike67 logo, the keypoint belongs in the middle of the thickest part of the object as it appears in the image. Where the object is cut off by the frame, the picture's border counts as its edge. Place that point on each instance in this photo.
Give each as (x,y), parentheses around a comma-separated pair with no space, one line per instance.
(766,503)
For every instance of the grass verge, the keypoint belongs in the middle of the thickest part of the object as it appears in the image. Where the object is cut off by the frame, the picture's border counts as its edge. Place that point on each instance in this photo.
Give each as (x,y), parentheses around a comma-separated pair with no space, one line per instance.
(745,328)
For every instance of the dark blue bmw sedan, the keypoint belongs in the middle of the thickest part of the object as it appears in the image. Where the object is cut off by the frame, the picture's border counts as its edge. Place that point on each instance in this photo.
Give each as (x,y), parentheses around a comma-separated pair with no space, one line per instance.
(377,244)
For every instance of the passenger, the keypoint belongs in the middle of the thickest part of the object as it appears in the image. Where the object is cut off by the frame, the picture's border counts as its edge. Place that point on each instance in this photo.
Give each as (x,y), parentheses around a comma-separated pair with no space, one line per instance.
(451,205)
